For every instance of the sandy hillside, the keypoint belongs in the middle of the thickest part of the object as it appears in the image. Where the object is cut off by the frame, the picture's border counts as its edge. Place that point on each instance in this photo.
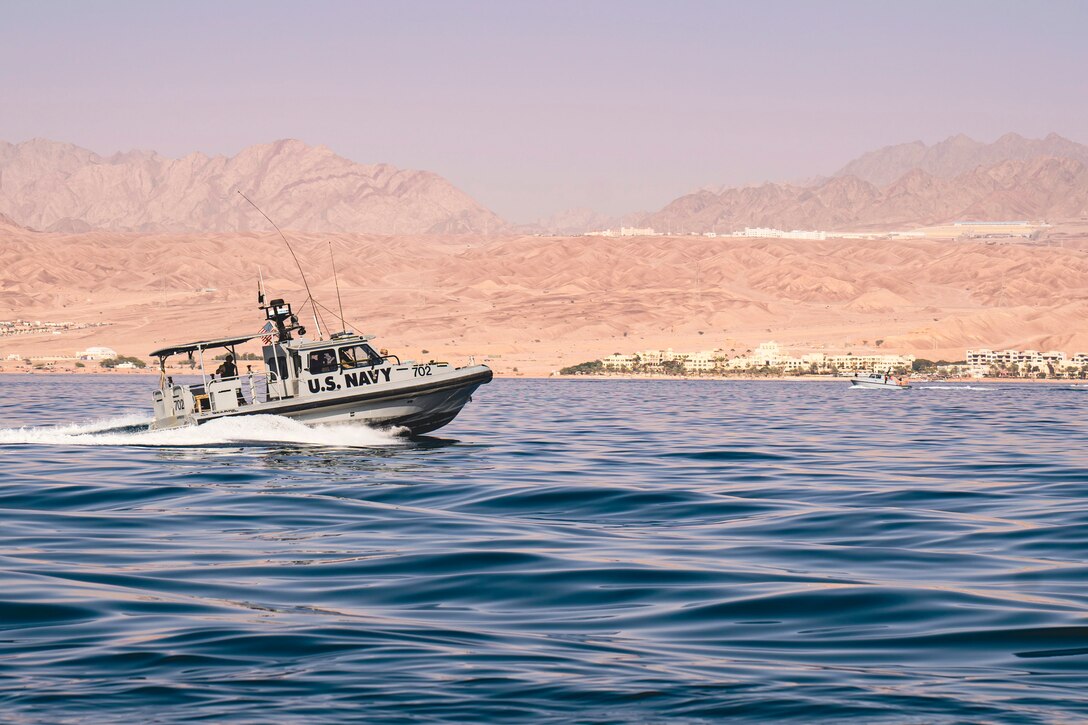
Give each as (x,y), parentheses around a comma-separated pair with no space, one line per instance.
(538,303)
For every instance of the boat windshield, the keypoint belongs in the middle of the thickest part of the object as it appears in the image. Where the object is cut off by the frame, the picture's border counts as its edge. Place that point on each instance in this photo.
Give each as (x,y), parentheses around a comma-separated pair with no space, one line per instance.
(355,356)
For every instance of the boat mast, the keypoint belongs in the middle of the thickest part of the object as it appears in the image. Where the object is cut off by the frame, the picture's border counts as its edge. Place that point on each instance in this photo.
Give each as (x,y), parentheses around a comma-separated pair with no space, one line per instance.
(336,280)
(305,282)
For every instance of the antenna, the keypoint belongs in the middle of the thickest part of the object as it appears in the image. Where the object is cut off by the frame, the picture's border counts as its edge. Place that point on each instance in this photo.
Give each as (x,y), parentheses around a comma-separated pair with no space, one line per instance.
(336,280)
(305,283)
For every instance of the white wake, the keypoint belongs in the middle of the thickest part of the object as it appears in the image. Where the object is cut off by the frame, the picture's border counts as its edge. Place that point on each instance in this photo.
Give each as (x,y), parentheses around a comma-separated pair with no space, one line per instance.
(956,387)
(131,430)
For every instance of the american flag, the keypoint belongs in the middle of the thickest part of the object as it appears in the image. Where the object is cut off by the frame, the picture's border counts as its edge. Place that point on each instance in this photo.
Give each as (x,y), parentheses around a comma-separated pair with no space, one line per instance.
(269,328)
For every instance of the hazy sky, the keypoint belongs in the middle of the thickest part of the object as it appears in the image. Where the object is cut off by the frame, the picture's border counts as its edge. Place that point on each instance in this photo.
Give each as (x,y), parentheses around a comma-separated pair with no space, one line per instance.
(537,107)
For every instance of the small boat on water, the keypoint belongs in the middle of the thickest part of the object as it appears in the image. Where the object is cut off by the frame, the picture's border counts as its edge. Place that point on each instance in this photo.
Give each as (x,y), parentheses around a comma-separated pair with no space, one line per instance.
(879,380)
(331,380)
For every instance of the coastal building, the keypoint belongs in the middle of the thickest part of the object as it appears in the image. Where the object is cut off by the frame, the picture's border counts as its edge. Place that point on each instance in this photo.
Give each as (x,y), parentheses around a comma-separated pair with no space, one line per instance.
(42,327)
(870,361)
(766,353)
(616,361)
(701,362)
(792,365)
(767,356)
(624,232)
(769,233)
(1023,363)
(96,353)
(656,357)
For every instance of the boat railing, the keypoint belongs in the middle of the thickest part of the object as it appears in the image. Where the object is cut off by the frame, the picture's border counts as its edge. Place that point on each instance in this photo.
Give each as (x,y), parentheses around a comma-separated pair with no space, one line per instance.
(221,394)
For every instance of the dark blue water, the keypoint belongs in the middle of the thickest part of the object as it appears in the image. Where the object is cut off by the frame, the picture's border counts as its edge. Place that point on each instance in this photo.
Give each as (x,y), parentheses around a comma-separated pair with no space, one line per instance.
(567,551)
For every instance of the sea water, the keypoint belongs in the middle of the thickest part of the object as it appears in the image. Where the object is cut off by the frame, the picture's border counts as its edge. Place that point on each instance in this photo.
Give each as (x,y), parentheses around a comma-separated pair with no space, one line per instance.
(564,551)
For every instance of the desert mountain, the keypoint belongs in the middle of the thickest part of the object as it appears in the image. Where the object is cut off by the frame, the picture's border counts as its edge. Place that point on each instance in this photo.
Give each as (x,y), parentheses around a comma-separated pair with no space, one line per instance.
(1036,188)
(956,155)
(7,224)
(60,187)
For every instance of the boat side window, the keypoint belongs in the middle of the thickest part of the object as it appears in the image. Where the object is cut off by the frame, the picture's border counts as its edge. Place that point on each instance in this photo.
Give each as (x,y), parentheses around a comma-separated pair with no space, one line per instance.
(358,356)
(321,361)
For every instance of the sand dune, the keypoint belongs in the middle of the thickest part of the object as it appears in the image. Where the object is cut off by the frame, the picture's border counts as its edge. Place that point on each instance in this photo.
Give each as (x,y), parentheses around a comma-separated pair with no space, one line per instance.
(538,303)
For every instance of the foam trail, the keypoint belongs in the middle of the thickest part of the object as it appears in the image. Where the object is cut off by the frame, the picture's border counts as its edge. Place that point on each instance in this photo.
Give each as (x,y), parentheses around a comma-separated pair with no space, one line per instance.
(955,387)
(246,430)
(99,425)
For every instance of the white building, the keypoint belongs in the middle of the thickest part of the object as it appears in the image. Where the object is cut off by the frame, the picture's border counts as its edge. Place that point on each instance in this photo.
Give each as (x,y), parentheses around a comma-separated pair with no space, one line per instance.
(760,233)
(768,233)
(623,232)
(803,234)
(616,361)
(863,362)
(769,355)
(97,353)
(655,357)
(701,362)
(766,353)
(980,360)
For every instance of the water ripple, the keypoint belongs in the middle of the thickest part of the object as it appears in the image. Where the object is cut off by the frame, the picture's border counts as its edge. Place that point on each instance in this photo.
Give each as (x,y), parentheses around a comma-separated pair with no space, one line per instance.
(590,551)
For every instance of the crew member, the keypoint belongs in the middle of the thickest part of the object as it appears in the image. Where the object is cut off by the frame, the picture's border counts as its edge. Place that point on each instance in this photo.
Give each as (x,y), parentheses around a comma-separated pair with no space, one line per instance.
(228,369)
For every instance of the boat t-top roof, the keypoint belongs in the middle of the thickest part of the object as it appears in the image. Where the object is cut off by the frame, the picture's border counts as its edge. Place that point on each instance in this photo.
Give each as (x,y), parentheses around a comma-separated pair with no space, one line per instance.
(301,344)
(341,338)
(203,345)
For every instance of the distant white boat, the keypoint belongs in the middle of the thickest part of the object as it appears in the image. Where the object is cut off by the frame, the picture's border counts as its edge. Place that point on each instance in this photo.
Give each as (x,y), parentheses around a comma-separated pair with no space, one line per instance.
(879,380)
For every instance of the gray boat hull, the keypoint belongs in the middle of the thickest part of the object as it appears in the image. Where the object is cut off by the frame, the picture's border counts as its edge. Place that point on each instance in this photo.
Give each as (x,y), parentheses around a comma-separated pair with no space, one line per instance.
(419,406)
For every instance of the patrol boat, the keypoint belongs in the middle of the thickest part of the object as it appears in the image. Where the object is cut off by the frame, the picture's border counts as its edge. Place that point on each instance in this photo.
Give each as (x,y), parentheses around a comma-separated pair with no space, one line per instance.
(879,380)
(315,381)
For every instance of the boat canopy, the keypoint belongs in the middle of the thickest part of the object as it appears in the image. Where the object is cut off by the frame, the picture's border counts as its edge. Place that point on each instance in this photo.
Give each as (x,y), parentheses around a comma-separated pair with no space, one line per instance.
(204,345)
(338,339)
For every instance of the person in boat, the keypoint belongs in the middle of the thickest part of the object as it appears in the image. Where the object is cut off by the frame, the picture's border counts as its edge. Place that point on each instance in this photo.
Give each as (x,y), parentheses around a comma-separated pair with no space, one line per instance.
(228,369)
(347,358)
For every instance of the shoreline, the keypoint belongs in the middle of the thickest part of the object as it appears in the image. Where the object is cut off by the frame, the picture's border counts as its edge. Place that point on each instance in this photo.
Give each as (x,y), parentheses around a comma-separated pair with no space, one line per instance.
(809,379)
(179,372)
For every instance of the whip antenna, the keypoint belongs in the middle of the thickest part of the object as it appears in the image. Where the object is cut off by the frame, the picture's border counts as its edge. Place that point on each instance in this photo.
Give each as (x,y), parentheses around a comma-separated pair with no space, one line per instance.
(336,280)
(305,283)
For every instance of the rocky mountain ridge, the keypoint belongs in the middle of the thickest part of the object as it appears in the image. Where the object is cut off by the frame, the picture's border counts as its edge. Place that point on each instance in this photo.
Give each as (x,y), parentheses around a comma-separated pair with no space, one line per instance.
(1032,189)
(956,155)
(61,187)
